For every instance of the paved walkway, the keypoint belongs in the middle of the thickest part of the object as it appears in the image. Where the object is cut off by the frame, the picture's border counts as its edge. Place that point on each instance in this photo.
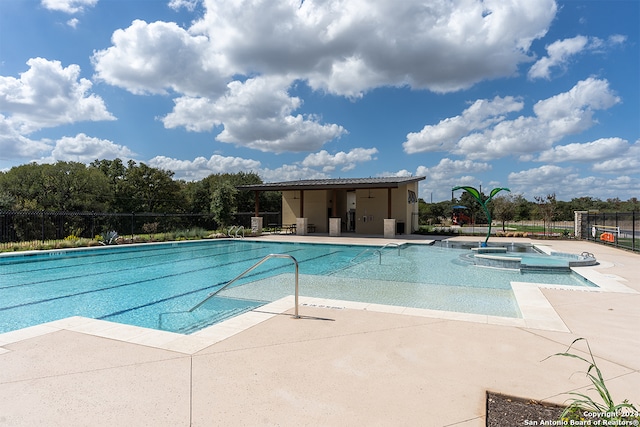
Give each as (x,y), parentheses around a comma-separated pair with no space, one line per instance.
(341,364)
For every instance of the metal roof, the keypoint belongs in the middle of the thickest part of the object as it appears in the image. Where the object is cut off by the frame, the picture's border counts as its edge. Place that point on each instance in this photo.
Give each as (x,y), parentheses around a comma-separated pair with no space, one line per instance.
(335,183)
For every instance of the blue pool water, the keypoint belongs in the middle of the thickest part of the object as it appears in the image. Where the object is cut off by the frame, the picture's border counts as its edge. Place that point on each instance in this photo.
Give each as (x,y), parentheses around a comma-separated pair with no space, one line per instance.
(155,285)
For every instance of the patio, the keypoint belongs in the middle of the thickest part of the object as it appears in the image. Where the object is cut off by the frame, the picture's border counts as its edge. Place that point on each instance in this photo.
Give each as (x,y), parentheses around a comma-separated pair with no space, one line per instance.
(341,364)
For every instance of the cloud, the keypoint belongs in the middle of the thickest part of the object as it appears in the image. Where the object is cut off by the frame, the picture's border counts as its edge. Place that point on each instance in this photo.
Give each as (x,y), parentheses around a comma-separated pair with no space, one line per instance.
(601,149)
(68,6)
(85,149)
(444,136)
(13,145)
(448,173)
(567,183)
(290,173)
(256,113)
(153,58)
(624,162)
(233,61)
(481,133)
(343,47)
(450,169)
(346,161)
(201,167)
(48,95)
(546,179)
(190,5)
(560,52)
(347,47)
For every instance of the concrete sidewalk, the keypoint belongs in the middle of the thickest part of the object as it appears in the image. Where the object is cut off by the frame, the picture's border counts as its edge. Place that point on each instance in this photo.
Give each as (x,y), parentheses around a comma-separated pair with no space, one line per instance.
(342,364)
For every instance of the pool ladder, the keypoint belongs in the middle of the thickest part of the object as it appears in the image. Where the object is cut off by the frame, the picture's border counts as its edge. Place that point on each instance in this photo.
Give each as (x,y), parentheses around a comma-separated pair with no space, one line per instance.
(254,266)
(237,230)
(379,251)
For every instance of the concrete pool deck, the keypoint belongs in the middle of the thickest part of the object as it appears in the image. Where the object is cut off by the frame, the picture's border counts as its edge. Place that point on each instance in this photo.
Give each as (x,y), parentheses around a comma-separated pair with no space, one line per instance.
(340,364)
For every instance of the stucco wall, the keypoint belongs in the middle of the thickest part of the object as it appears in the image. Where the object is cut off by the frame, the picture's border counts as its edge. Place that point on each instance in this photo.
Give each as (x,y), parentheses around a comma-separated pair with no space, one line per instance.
(371,208)
(290,206)
(316,203)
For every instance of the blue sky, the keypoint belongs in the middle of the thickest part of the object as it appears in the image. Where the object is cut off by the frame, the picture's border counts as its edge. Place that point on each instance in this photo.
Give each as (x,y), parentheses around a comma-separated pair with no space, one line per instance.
(539,96)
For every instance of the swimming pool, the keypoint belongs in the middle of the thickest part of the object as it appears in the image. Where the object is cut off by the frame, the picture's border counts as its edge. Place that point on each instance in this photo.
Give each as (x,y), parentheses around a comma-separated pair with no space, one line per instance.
(154,285)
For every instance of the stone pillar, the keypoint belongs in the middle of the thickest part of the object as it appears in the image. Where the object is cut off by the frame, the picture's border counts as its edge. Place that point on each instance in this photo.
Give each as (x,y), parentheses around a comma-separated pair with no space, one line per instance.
(334,227)
(301,226)
(389,228)
(256,225)
(577,224)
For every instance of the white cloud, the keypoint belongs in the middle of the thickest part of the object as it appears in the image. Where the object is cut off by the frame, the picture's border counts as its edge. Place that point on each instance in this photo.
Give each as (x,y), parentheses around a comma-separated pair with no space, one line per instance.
(68,6)
(346,161)
(13,145)
(481,133)
(347,47)
(451,169)
(155,57)
(85,149)
(567,183)
(560,52)
(601,149)
(546,179)
(623,162)
(73,22)
(444,136)
(257,114)
(223,66)
(190,5)
(441,178)
(48,95)
(344,47)
(201,167)
(290,173)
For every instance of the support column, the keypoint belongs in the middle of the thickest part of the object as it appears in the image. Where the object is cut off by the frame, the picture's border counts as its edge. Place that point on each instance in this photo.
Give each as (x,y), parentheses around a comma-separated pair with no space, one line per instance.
(301,226)
(389,228)
(577,224)
(256,226)
(334,227)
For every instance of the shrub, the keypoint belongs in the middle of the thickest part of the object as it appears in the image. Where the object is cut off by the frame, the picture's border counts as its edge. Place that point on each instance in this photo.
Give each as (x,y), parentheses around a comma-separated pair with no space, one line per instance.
(109,238)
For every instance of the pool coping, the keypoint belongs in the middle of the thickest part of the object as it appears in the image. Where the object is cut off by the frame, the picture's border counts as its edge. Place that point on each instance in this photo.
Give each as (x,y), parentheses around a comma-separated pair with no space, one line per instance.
(537,313)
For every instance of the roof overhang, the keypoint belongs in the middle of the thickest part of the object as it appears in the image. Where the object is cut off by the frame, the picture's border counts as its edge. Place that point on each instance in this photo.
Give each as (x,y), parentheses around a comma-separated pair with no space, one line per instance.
(331,184)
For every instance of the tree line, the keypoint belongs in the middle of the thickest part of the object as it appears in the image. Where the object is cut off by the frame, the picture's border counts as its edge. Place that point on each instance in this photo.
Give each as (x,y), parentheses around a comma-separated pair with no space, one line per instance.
(118,187)
(131,187)
(514,207)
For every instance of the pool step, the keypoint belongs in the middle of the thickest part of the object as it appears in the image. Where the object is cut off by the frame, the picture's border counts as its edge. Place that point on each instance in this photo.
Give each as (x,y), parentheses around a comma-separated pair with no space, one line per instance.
(544,268)
(188,323)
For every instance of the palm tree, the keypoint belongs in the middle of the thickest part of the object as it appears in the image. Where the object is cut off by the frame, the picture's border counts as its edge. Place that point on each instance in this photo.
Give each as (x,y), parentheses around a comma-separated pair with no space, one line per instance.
(483,203)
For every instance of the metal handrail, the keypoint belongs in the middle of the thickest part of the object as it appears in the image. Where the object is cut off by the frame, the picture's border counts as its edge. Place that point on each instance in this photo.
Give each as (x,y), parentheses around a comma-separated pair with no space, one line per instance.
(229,231)
(211,295)
(388,245)
(379,251)
(238,230)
